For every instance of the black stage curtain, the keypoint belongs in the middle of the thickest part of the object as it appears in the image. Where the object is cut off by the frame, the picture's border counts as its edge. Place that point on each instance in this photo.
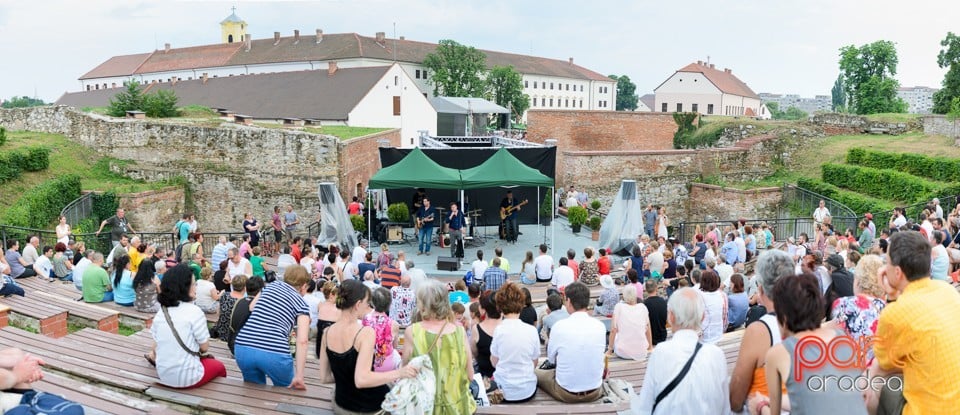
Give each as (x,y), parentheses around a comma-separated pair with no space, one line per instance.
(543,159)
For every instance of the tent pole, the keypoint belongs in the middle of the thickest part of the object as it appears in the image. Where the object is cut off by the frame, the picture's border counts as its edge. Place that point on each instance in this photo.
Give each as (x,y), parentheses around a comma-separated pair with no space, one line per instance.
(538,211)
(553,223)
(369,219)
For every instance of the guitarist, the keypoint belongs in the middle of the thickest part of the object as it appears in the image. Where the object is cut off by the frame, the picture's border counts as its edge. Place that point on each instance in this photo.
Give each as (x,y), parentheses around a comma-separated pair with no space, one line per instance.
(426,217)
(508,212)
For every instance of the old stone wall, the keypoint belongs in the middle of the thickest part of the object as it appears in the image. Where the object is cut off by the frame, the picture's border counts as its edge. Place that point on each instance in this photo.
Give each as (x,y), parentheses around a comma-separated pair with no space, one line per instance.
(663,177)
(230,169)
(940,125)
(836,123)
(154,210)
(360,160)
(714,202)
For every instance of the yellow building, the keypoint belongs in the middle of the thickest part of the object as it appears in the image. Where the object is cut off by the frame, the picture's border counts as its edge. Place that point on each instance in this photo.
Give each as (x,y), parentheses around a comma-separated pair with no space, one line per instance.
(233,28)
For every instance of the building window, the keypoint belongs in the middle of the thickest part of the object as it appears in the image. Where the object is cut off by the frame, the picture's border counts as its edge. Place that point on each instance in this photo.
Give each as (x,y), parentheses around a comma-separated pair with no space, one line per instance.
(396,105)
(663,107)
(709,108)
(694,107)
(534,84)
(551,85)
(543,102)
(396,80)
(566,103)
(581,88)
(581,103)
(424,74)
(568,87)
(551,102)
(679,107)
(525,84)
(418,74)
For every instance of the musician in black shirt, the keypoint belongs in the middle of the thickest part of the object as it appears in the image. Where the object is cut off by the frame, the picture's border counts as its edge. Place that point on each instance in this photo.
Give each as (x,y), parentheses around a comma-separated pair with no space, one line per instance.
(508,213)
(426,217)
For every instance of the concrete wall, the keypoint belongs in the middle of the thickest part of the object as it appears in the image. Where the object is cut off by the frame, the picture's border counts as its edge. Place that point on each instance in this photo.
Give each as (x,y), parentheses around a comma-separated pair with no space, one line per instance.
(940,125)
(230,169)
(360,160)
(709,201)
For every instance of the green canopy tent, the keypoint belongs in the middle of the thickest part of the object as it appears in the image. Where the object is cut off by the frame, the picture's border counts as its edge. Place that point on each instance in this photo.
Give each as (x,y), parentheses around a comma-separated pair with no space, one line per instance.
(416,170)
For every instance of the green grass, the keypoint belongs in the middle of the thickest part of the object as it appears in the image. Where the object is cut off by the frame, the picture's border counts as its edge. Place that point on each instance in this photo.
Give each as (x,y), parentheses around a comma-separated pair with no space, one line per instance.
(95,110)
(126,330)
(892,117)
(23,327)
(344,132)
(68,157)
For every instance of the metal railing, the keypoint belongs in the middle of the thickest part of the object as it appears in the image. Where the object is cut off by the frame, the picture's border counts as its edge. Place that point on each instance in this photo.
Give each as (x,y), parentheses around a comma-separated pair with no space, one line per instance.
(782,228)
(79,209)
(801,202)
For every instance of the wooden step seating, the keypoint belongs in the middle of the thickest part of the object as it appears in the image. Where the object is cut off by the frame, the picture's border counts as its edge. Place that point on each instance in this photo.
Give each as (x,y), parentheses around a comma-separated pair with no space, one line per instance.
(99,400)
(128,316)
(79,312)
(48,319)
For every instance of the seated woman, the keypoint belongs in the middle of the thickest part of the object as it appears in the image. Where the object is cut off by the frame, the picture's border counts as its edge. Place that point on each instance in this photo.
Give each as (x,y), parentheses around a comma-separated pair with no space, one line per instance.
(208,297)
(347,352)
(146,285)
(227,307)
(858,315)
(62,264)
(799,313)
(589,270)
(483,332)
(737,303)
(608,299)
(528,314)
(515,348)
(180,334)
(123,292)
(262,347)
(386,331)
(630,333)
(715,322)
(327,312)
(446,345)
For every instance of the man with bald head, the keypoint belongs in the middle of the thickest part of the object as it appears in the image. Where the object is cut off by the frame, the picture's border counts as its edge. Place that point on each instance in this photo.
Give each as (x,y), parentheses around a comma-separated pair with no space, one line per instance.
(403,303)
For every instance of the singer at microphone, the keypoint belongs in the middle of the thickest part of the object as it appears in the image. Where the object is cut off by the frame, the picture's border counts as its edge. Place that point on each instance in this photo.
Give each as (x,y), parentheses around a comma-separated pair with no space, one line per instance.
(455,224)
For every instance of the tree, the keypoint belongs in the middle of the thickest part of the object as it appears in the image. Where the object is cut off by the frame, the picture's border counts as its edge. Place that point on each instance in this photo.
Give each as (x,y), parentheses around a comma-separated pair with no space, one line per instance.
(161,104)
(22,102)
(868,78)
(456,70)
(949,58)
(791,113)
(839,96)
(131,99)
(626,93)
(505,87)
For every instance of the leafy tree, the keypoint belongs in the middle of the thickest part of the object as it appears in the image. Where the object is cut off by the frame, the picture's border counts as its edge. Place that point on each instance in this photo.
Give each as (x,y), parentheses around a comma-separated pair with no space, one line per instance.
(131,99)
(791,113)
(949,57)
(456,70)
(868,78)
(161,104)
(505,87)
(626,93)
(22,102)
(838,94)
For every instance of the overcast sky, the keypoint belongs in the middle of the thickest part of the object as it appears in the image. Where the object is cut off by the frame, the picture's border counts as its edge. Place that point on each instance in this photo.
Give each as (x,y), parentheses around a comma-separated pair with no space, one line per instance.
(774,46)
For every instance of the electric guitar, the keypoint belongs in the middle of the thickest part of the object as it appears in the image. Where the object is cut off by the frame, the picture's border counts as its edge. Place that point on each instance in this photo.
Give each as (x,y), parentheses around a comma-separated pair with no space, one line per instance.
(419,224)
(504,212)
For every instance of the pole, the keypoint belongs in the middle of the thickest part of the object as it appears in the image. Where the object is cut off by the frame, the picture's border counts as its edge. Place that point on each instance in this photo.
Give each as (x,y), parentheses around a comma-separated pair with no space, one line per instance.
(553,223)
(369,218)
(538,211)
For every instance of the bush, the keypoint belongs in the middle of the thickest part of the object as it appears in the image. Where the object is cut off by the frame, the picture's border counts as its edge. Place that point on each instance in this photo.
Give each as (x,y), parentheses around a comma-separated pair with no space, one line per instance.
(595,222)
(3,136)
(10,166)
(161,104)
(577,215)
(35,159)
(884,184)
(14,163)
(42,204)
(860,204)
(398,212)
(359,223)
(595,204)
(683,138)
(935,168)
(104,205)
(131,99)
(546,207)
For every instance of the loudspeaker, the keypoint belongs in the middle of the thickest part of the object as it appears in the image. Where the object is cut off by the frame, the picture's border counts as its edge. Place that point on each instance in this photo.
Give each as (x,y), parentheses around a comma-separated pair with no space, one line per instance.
(395,233)
(446,263)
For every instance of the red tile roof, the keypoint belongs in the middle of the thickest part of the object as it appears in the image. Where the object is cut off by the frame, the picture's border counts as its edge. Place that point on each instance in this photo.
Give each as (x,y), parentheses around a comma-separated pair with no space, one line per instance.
(123,65)
(725,81)
(208,56)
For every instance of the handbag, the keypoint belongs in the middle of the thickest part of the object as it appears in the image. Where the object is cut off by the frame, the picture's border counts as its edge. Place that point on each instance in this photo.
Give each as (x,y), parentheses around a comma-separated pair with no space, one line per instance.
(176,335)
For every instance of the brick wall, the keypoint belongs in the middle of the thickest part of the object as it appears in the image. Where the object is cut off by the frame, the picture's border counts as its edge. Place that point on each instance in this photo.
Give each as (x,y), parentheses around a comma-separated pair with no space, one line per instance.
(707,200)
(360,159)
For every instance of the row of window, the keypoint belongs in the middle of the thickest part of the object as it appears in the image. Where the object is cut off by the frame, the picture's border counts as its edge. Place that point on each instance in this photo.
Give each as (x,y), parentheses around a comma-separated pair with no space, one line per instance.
(603,104)
(693,107)
(420,74)
(543,85)
(544,102)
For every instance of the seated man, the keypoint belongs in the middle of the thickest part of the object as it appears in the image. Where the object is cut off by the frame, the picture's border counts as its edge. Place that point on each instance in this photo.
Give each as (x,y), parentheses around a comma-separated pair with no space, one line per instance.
(96,282)
(702,388)
(576,348)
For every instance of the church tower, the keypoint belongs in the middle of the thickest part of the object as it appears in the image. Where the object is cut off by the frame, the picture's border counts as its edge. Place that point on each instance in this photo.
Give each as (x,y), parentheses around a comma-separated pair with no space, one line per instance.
(233,29)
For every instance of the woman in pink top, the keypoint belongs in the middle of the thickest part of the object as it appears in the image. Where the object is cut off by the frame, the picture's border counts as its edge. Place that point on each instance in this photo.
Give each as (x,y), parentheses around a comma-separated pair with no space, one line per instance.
(245,246)
(630,335)
(386,357)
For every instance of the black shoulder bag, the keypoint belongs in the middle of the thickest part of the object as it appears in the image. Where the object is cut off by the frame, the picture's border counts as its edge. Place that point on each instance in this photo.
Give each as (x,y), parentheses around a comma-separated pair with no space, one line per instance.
(676,381)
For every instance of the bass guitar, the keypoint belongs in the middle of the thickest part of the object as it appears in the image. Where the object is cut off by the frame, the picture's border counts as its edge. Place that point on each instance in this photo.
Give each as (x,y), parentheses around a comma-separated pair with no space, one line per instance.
(504,212)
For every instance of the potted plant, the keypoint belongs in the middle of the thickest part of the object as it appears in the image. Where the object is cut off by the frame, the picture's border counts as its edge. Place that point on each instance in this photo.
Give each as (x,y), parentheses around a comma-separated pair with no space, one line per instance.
(595,227)
(546,210)
(359,223)
(398,212)
(577,216)
(595,204)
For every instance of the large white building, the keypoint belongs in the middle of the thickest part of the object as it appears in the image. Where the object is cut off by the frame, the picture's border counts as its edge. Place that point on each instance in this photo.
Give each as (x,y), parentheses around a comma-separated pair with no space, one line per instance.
(919,98)
(550,83)
(700,87)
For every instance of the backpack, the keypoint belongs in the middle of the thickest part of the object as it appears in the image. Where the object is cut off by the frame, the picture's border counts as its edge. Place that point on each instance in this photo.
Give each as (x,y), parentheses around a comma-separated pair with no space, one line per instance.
(34,402)
(178,252)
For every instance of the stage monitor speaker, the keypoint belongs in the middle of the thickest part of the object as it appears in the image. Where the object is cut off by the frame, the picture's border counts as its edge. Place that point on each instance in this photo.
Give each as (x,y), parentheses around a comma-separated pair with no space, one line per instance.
(446,263)
(395,233)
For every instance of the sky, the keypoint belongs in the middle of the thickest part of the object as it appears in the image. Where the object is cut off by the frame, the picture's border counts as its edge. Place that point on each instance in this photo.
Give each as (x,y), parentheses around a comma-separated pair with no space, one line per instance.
(779,46)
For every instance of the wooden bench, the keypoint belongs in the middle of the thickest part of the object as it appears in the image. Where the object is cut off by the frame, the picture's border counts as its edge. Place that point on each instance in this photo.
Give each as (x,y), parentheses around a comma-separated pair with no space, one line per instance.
(292,122)
(79,312)
(243,119)
(136,115)
(48,319)
(97,399)
(130,317)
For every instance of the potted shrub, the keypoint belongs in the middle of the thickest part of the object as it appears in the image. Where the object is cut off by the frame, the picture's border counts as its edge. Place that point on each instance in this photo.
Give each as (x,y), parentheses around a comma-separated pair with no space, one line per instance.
(398,212)
(359,223)
(577,216)
(546,210)
(595,227)
(595,204)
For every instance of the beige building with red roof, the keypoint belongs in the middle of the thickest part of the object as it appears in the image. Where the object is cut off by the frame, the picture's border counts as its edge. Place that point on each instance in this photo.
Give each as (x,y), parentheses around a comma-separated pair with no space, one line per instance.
(701,87)
(550,83)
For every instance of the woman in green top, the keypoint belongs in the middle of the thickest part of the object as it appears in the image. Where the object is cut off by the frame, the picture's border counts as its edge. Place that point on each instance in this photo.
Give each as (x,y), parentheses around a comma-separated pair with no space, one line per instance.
(452,362)
(256,262)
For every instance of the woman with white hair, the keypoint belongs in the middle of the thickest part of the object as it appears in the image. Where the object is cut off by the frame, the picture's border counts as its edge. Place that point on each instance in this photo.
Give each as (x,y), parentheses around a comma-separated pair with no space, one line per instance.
(630,334)
(445,342)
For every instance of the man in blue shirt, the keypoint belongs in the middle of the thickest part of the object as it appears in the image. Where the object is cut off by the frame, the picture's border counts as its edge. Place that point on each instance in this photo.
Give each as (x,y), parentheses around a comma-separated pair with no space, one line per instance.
(729,251)
(426,217)
(455,224)
(494,277)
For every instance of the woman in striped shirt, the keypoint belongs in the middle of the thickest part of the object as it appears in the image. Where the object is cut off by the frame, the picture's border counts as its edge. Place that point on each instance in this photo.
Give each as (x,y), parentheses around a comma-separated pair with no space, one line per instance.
(263,345)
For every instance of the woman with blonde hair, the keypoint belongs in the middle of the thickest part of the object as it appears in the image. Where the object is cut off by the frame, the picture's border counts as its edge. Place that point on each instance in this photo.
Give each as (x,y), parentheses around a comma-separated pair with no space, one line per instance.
(858,315)
(630,333)
(528,270)
(445,342)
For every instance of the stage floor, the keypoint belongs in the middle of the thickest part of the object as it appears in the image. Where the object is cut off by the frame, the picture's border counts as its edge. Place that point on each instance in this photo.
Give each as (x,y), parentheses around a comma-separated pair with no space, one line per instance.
(530,239)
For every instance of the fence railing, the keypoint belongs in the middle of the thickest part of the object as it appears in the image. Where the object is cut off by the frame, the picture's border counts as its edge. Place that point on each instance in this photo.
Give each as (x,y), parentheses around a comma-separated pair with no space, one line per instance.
(79,209)
(801,201)
(782,228)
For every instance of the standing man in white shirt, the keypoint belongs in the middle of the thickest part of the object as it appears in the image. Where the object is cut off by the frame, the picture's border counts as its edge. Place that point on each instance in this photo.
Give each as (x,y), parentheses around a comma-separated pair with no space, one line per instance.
(543,265)
(563,275)
(938,211)
(703,387)
(576,348)
(359,253)
(821,214)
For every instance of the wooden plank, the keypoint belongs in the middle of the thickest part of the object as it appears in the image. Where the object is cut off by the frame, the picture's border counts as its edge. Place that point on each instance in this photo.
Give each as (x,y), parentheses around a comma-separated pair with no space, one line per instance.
(76,308)
(99,398)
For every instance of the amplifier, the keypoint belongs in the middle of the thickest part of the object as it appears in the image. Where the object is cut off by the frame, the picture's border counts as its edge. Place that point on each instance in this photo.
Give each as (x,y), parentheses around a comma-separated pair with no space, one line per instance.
(446,263)
(395,233)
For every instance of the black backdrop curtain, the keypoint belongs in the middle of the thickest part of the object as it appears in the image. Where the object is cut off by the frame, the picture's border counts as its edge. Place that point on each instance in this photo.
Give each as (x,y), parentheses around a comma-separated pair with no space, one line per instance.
(544,159)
